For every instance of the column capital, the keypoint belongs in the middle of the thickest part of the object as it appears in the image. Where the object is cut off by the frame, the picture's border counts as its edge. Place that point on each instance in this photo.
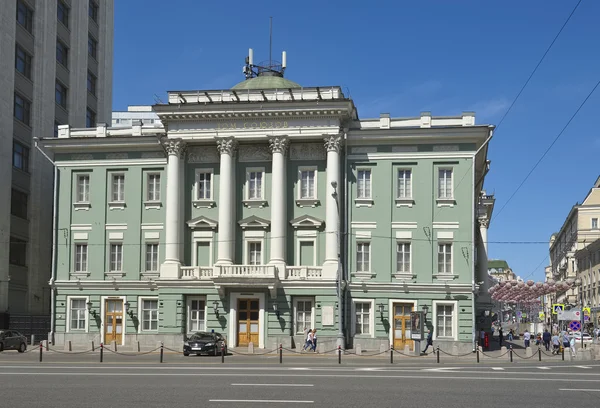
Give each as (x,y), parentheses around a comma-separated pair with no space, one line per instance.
(226,145)
(279,144)
(483,222)
(173,147)
(333,143)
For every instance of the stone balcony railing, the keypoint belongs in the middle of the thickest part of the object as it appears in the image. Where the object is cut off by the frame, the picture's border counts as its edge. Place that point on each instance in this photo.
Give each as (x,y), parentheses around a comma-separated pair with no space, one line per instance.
(250,271)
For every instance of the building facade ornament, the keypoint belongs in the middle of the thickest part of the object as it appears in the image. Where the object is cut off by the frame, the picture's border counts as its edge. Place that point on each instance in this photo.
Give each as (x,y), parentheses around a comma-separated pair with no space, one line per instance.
(253,153)
(279,144)
(307,151)
(202,154)
(226,146)
(484,222)
(152,155)
(174,147)
(117,156)
(333,143)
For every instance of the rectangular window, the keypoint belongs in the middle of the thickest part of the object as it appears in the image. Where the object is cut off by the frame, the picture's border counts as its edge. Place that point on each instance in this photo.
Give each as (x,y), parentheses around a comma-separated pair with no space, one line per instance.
(363,183)
(118,188)
(62,13)
(203,185)
(154,187)
(17,252)
(303,315)
(363,257)
(81,255)
(78,313)
(18,204)
(22,61)
(62,53)
(594,223)
(445,184)
(93,10)
(22,109)
(24,16)
(403,257)
(254,253)
(91,83)
(404,184)
(255,185)
(149,315)
(196,320)
(116,257)
(151,257)
(362,313)
(444,320)
(60,94)
(92,47)
(90,118)
(307,184)
(445,258)
(83,188)
(20,156)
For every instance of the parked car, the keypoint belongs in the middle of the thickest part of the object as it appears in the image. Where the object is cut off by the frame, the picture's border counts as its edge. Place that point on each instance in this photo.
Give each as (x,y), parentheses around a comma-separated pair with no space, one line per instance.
(12,340)
(586,338)
(204,343)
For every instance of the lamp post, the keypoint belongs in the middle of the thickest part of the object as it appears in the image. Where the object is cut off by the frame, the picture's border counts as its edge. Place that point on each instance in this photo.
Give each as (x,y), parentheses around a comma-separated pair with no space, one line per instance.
(340,273)
(579,285)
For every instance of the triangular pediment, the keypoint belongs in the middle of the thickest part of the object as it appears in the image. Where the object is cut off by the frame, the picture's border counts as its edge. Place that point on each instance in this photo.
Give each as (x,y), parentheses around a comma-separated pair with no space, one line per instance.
(202,222)
(254,222)
(306,221)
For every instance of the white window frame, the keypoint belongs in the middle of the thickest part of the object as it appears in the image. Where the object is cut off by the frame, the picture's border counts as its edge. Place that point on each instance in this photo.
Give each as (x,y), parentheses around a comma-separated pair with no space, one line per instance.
(141,309)
(312,313)
(148,243)
(155,202)
(410,255)
(314,171)
(454,305)
(86,299)
(298,252)
(362,242)
(249,172)
(120,191)
(370,181)
(204,202)
(443,198)
(445,273)
(371,333)
(87,252)
(594,223)
(82,193)
(407,195)
(247,243)
(110,257)
(189,301)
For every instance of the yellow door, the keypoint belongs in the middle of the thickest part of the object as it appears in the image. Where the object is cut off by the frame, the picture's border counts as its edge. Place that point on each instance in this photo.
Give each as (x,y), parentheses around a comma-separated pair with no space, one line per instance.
(402,326)
(113,321)
(247,322)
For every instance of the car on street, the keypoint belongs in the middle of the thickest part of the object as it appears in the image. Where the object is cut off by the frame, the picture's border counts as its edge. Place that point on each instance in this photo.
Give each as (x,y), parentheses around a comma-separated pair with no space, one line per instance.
(12,340)
(586,338)
(204,343)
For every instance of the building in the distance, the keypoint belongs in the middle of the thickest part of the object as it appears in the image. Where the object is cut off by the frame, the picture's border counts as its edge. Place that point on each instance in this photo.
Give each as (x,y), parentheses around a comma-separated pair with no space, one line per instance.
(499,270)
(267,209)
(55,69)
(136,114)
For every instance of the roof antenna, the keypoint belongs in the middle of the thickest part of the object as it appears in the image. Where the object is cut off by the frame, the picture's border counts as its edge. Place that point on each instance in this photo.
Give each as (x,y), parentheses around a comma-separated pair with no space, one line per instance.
(270,40)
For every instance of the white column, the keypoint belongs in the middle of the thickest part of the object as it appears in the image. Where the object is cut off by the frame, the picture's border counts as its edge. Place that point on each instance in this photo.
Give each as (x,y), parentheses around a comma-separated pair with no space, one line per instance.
(278,147)
(482,254)
(226,148)
(333,147)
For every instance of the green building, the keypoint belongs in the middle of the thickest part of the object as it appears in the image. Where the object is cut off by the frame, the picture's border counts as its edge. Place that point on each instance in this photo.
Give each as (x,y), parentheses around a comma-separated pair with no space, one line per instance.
(265,210)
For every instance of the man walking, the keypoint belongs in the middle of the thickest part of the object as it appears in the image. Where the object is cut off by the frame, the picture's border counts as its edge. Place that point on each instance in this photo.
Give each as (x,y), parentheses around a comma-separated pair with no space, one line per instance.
(527,338)
(429,341)
(500,336)
(546,337)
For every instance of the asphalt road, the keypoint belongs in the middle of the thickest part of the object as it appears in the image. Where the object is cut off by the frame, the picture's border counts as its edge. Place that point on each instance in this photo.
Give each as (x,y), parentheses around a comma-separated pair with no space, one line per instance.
(243,385)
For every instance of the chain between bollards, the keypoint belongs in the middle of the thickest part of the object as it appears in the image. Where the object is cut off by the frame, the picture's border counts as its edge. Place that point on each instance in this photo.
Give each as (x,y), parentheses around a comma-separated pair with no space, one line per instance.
(511,354)
(101,352)
(222,354)
(41,347)
(339,354)
(280,353)
(392,355)
(438,354)
(162,351)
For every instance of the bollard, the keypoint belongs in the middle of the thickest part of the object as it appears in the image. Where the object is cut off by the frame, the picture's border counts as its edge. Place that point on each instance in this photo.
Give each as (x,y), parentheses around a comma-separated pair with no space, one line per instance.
(539,354)
(41,351)
(222,354)
(438,354)
(563,353)
(101,352)
(339,354)
(162,351)
(280,353)
(478,354)
(392,355)
(511,354)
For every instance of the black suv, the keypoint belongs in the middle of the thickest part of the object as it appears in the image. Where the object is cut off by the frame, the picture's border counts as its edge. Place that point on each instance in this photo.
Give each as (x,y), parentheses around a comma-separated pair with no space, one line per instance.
(204,343)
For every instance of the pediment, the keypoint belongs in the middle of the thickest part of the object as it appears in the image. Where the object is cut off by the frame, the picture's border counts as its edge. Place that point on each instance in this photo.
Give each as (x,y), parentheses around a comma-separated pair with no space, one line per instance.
(202,222)
(306,221)
(254,222)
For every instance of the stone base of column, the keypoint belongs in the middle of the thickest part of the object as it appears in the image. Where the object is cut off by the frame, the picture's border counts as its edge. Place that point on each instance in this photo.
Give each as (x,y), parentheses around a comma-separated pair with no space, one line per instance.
(279,268)
(170,270)
(330,269)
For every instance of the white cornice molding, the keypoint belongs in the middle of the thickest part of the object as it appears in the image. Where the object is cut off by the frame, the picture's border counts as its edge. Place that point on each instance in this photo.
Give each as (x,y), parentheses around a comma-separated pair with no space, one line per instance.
(93,163)
(454,288)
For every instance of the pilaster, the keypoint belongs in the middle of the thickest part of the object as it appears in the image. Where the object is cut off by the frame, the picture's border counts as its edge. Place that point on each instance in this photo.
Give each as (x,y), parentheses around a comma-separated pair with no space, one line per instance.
(333,146)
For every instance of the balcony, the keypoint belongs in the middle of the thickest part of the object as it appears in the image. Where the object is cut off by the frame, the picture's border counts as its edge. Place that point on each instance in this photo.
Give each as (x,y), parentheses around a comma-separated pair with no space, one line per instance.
(247,272)
(303,272)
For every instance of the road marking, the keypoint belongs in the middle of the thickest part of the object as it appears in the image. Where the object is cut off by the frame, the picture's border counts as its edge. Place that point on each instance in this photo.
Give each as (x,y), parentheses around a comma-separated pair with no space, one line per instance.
(273,385)
(299,368)
(575,389)
(544,368)
(264,401)
(583,367)
(497,368)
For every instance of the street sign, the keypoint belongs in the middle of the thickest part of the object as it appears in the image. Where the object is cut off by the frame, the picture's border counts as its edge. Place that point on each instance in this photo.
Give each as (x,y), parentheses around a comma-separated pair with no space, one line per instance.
(557,307)
(541,315)
(575,325)
(587,311)
(573,314)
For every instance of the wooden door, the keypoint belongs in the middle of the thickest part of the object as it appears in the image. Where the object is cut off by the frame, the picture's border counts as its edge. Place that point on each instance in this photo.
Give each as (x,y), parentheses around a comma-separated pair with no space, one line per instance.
(247,322)
(402,326)
(113,321)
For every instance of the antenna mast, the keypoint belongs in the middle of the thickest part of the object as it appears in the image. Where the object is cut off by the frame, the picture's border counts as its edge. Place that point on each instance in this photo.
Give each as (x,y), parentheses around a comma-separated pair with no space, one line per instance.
(270,39)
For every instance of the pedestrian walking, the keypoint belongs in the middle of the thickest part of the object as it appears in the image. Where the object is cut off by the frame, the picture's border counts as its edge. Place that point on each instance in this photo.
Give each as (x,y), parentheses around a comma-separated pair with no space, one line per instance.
(309,340)
(429,341)
(500,336)
(527,338)
(572,345)
(314,340)
(566,342)
(555,343)
(546,337)
(511,335)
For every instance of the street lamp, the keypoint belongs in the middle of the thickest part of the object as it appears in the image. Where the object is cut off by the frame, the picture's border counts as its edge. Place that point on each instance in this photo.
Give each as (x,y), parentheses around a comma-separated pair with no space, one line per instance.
(340,285)
(276,310)
(216,308)
(578,284)
(425,309)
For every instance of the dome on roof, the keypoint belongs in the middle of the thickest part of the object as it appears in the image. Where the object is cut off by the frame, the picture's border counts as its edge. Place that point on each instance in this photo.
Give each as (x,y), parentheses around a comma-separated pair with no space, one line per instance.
(266,82)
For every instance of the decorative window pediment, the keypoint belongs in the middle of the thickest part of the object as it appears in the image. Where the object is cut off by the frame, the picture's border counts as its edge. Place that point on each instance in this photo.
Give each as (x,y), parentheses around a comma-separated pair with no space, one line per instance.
(306,221)
(202,222)
(254,222)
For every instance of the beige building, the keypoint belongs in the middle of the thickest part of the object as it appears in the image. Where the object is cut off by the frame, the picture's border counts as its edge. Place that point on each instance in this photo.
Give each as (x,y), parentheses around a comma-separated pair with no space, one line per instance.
(500,271)
(588,268)
(55,68)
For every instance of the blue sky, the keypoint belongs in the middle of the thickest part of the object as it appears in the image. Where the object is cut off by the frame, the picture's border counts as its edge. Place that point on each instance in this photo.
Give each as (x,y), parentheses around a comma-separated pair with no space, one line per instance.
(405,57)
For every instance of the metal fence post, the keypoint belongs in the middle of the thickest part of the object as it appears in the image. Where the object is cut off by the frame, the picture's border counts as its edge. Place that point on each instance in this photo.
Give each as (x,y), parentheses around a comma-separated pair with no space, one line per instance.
(511,354)
(41,351)
(162,351)
(563,353)
(539,354)
(478,354)
(392,355)
(339,354)
(101,352)
(280,353)
(222,354)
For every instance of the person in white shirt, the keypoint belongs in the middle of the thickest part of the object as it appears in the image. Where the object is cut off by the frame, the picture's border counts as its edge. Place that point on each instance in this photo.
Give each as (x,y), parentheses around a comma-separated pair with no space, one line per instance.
(309,340)
(527,338)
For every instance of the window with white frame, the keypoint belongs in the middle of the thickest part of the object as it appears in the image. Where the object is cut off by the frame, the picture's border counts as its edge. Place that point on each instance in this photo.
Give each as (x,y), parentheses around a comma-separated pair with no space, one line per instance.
(445,318)
(363,183)
(149,314)
(445,258)
(81,257)
(362,317)
(116,257)
(445,184)
(255,185)
(196,315)
(151,257)
(203,184)
(304,315)
(77,313)
(307,180)
(118,188)
(363,257)
(403,257)
(153,187)
(83,188)
(594,223)
(254,253)
(404,184)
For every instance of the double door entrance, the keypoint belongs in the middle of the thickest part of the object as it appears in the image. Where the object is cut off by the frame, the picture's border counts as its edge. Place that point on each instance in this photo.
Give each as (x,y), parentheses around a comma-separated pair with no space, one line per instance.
(247,321)
(402,325)
(113,321)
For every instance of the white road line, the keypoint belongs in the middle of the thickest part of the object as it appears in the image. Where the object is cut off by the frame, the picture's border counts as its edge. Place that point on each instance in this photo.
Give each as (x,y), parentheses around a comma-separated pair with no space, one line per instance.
(497,368)
(544,368)
(574,389)
(264,401)
(583,367)
(273,385)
